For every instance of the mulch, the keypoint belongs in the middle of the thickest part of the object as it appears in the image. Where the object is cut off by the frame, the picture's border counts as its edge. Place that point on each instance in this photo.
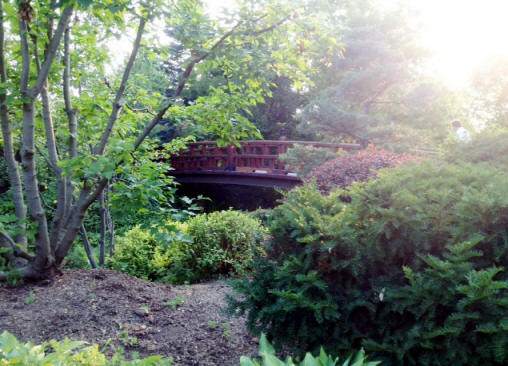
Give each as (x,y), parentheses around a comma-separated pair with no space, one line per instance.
(114,309)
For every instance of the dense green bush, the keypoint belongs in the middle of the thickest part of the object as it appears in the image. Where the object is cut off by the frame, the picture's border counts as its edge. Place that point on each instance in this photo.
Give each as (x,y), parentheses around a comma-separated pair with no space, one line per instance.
(149,253)
(13,352)
(224,242)
(372,272)
(346,169)
(206,246)
(268,358)
(135,252)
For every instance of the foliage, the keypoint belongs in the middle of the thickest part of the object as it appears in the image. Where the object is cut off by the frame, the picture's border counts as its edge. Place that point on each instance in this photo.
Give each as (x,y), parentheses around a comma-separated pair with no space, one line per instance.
(207,245)
(223,242)
(362,166)
(304,158)
(77,259)
(459,310)
(275,117)
(373,91)
(489,147)
(4,180)
(146,253)
(372,272)
(66,352)
(490,92)
(267,354)
(93,128)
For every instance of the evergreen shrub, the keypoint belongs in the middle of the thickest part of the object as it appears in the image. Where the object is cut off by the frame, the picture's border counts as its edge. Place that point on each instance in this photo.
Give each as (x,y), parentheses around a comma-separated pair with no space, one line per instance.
(412,269)
(359,167)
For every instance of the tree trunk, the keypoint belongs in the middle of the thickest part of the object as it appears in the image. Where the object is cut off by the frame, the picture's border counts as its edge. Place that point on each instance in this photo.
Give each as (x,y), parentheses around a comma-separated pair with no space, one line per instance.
(10,160)
(110,222)
(44,258)
(86,245)
(102,215)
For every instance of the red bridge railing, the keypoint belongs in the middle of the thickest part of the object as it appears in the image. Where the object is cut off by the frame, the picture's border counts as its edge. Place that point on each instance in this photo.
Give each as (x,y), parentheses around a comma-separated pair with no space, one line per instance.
(250,156)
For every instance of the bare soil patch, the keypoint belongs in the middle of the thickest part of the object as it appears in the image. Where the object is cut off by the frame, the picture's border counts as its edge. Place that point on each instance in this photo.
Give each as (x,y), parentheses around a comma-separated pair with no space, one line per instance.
(107,307)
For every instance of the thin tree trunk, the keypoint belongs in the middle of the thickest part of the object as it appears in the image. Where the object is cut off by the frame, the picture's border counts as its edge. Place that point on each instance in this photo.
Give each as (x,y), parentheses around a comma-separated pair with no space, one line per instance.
(12,165)
(44,258)
(54,159)
(110,222)
(52,152)
(72,119)
(86,245)
(77,214)
(102,215)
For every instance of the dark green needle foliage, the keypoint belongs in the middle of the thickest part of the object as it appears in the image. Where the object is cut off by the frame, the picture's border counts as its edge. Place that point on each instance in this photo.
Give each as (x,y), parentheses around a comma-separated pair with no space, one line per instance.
(410,266)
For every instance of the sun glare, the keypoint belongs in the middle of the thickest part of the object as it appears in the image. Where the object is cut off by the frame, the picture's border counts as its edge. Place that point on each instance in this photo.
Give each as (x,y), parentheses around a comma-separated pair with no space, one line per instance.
(463,35)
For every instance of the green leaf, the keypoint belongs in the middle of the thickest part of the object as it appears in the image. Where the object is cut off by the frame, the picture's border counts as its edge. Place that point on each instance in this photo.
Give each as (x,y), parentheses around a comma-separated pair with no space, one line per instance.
(264,346)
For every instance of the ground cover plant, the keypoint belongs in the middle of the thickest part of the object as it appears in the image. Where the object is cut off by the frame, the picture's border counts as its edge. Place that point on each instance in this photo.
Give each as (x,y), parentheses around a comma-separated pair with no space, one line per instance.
(77,353)
(67,352)
(413,268)
(358,167)
(268,358)
(202,248)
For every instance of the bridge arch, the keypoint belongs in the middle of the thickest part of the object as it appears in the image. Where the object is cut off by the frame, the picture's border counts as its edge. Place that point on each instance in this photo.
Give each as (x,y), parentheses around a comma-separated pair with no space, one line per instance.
(250,163)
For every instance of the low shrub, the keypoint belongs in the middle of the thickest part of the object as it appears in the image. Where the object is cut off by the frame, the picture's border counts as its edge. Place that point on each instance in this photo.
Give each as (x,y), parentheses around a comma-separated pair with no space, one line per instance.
(135,252)
(268,358)
(372,273)
(224,242)
(344,170)
(206,246)
(148,253)
(66,352)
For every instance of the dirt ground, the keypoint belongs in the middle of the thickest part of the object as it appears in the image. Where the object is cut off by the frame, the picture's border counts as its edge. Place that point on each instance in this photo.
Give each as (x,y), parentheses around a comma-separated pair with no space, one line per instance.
(107,307)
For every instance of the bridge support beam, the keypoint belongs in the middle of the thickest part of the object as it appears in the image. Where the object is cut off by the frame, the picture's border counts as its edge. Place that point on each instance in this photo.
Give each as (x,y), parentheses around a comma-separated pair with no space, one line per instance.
(238,178)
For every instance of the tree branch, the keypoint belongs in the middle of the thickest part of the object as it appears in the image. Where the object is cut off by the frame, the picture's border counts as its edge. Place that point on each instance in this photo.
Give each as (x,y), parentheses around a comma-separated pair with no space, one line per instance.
(117,106)
(25,55)
(51,50)
(183,80)
(270,28)
(7,242)
(86,245)
(72,122)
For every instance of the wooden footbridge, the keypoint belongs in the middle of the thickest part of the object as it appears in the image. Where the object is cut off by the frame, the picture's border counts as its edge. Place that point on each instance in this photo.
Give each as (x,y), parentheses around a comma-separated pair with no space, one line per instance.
(250,163)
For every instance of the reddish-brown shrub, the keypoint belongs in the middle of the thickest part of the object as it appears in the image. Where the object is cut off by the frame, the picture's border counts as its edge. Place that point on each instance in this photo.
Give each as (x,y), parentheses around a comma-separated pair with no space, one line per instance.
(359,167)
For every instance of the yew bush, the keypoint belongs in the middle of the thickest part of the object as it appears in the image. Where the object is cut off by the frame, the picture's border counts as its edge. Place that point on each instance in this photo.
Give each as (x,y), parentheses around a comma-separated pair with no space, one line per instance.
(413,269)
